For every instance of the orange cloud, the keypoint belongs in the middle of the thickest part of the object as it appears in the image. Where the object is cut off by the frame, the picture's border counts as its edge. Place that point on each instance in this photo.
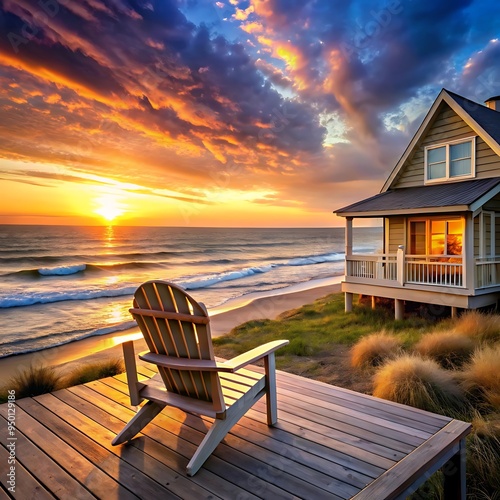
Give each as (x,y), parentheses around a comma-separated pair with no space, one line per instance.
(252,27)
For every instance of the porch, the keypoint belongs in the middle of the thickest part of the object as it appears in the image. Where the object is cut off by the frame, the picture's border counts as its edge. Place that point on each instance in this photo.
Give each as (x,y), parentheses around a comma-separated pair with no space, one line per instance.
(401,269)
(329,443)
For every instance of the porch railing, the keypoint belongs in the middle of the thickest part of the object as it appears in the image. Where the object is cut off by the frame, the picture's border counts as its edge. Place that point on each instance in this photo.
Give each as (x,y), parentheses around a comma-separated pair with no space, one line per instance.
(417,269)
(421,270)
(432,270)
(372,267)
(487,272)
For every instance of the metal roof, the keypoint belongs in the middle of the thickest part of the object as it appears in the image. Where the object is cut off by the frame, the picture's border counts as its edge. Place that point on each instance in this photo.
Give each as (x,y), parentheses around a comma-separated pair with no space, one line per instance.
(488,119)
(450,196)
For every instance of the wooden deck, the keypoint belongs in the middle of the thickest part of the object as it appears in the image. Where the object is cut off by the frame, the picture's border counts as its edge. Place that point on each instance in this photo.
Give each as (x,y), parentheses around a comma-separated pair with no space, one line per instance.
(329,443)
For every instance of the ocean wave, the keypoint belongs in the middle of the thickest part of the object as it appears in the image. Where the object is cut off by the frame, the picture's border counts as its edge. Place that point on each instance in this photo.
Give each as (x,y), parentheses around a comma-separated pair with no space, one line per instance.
(197,282)
(62,270)
(30,298)
(80,268)
(213,279)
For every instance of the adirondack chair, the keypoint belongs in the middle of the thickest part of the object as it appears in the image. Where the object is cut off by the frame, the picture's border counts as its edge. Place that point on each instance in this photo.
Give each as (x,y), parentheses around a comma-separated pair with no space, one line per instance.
(177,332)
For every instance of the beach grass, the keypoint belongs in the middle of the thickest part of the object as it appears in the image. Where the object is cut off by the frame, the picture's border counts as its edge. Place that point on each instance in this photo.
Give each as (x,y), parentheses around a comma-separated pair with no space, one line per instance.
(375,349)
(422,383)
(37,380)
(94,371)
(33,381)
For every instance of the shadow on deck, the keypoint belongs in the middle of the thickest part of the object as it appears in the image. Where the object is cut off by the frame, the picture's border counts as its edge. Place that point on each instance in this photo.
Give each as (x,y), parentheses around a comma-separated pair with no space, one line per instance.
(329,443)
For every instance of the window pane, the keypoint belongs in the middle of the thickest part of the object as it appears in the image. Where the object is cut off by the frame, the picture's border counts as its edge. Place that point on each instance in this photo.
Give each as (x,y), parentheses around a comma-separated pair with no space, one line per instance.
(437,171)
(436,155)
(460,167)
(454,240)
(417,238)
(458,151)
(437,237)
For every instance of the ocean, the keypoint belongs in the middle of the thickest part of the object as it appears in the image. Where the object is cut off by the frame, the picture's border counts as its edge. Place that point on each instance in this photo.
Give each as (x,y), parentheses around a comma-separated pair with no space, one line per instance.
(59,284)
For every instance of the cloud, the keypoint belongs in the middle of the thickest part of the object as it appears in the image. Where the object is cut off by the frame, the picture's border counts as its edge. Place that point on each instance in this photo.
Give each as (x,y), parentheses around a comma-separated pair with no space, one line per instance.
(300,96)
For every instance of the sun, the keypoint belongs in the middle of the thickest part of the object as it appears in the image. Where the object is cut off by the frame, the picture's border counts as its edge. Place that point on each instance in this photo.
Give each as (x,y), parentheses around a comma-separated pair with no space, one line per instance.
(108,208)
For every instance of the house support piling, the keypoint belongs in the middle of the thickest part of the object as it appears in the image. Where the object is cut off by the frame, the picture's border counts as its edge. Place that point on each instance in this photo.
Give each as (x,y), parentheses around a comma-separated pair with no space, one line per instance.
(348,302)
(399,309)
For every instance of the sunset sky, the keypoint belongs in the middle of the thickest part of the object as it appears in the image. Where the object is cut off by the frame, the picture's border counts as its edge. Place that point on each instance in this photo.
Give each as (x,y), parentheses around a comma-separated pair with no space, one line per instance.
(227,113)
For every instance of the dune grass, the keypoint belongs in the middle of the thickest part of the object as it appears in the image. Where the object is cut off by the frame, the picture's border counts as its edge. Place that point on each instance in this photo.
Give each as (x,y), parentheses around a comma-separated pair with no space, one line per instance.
(33,381)
(479,326)
(374,349)
(37,380)
(94,371)
(448,348)
(481,376)
(419,382)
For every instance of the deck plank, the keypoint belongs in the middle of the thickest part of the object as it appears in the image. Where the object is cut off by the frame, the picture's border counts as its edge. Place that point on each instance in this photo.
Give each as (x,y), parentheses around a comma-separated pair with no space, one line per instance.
(27,486)
(97,482)
(328,443)
(53,477)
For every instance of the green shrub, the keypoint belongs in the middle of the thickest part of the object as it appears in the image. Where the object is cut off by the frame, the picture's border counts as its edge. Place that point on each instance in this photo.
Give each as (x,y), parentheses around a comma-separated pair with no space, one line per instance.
(374,349)
(418,382)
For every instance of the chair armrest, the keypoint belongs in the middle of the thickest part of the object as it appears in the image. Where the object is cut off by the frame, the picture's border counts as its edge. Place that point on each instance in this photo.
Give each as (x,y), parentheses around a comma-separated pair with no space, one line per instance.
(254,355)
(207,365)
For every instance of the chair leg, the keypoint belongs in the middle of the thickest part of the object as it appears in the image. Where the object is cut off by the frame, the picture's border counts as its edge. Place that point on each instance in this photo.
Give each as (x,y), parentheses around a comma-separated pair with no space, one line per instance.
(218,432)
(138,422)
(271,400)
(213,437)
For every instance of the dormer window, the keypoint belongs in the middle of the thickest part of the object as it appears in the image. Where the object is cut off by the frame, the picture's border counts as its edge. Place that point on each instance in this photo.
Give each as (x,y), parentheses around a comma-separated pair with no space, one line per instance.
(450,161)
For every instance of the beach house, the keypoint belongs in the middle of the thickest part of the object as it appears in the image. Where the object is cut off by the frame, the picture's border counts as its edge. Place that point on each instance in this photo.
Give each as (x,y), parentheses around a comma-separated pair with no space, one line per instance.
(440,208)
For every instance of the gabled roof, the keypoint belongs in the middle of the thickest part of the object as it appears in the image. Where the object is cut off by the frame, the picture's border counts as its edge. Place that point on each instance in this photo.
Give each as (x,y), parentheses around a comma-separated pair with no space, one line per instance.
(484,121)
(439,198)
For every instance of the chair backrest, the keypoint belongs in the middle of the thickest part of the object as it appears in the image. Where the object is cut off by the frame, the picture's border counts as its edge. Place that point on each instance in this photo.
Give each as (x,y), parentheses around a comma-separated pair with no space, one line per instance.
(174,324)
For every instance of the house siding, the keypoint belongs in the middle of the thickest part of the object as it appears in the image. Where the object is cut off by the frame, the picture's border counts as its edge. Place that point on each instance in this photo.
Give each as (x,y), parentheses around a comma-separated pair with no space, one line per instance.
(447,126)
(396,233)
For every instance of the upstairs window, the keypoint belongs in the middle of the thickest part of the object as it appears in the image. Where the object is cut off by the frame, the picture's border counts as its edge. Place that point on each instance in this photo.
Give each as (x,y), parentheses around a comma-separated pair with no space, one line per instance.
(454,160)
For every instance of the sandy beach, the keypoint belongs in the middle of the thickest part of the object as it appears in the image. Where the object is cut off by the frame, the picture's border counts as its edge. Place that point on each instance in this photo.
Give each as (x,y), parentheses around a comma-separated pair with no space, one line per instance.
(251,307)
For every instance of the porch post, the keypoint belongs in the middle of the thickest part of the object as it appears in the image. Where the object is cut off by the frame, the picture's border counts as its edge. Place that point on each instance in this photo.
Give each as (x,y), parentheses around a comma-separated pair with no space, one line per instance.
(400,263)
(468,262)
(348,253)
(348,236)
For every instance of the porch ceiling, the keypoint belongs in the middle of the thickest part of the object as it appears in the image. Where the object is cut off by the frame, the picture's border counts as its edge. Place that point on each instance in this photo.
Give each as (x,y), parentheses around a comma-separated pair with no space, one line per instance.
(437,198)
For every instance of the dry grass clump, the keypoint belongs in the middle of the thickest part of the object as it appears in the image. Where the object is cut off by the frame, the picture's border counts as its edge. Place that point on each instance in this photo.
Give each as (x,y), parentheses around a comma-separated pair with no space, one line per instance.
(94,371)
(483,327)
(449,349)
(418,382)
(41,379)
(481,376)
(33,382)
(374,349)
(483,458)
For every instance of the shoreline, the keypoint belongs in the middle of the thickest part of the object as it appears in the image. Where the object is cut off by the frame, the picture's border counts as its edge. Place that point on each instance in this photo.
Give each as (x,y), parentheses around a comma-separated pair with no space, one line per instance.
(254,306)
